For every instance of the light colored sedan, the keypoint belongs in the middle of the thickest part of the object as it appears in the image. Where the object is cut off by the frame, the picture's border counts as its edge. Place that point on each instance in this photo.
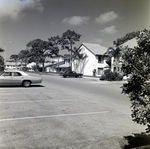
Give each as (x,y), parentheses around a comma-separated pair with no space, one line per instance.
(16,77)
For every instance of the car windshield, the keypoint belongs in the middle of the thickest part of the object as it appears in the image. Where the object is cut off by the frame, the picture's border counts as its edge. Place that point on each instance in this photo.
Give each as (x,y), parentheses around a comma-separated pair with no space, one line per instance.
(1,73)
(6,74)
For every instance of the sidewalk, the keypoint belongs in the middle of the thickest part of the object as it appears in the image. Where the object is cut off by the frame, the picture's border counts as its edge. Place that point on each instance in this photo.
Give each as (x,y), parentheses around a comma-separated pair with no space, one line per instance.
(92,78)
(103,81)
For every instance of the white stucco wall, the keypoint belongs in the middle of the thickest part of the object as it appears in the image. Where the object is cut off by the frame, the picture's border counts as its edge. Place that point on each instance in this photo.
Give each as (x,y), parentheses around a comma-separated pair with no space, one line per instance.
(87,65)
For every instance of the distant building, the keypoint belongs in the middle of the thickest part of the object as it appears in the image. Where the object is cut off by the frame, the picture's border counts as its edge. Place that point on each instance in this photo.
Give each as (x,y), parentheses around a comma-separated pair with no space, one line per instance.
(94,62)
(56,64)
(13,65)
(116,63)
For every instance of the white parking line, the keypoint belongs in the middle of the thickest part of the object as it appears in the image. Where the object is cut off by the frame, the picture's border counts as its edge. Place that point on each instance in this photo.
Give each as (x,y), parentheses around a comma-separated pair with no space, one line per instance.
(11,102)
(53,116)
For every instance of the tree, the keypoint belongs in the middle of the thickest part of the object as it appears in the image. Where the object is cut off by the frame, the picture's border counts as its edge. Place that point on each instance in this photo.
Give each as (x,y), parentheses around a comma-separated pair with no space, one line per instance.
(1,60)
(1,63)
(112,52)
(68,39)
(2,50)
(136,62)
(23,56)
(117,49)
(55,47)
(15,58)
(39,50)
(127,37)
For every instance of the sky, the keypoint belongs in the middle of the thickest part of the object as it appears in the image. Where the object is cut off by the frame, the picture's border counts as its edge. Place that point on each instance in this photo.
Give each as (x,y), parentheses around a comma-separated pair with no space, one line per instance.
(98,21)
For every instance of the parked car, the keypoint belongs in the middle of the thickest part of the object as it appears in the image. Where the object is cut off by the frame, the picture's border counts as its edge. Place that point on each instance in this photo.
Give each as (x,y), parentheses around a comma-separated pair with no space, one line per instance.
(64,71)
(16,77)
(72,74)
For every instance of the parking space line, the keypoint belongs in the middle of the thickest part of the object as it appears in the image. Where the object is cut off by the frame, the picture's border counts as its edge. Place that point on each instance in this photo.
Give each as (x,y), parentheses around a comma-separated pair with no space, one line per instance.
(11,102)
(52,116)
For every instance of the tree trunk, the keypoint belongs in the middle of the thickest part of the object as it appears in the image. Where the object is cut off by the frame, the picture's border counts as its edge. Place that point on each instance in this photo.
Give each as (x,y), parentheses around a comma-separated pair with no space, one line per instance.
(43,66)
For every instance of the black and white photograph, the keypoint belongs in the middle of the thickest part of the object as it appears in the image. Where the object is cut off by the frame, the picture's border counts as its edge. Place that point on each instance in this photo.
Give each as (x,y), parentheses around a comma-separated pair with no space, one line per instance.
(74,74)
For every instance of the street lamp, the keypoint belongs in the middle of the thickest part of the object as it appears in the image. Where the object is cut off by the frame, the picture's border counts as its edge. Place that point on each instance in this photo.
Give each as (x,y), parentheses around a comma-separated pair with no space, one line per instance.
(5,50)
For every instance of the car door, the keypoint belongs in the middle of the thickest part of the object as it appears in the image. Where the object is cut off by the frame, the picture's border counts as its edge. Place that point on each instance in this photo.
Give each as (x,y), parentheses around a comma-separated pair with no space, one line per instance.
(17,78)
(72,74)
(6,78)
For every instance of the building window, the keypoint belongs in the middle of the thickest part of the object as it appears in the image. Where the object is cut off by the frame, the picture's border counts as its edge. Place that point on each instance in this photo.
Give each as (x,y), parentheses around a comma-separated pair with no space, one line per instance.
(100,59)
(100,71)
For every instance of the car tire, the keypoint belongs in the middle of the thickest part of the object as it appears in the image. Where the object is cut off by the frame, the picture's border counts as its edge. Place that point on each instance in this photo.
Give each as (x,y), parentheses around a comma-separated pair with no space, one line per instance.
(26,83)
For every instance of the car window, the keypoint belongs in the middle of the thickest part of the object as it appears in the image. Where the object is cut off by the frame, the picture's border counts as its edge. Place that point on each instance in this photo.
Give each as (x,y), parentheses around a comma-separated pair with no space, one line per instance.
(17,74)
(1,73)
(6,74)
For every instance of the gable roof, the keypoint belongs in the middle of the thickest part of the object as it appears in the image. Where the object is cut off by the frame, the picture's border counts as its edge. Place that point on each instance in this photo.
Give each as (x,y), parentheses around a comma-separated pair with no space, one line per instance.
(96,49)
(130,43)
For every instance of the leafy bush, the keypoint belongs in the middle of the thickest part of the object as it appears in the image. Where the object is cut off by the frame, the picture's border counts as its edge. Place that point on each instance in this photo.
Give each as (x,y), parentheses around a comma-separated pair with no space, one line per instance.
(111,76)
(137,64)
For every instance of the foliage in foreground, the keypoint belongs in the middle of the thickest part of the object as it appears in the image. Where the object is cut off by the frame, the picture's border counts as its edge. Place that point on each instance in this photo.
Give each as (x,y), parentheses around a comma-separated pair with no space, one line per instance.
(137,64)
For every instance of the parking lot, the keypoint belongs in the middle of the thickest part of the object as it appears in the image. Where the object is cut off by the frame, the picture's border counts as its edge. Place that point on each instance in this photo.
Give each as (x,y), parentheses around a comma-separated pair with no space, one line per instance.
(53,116)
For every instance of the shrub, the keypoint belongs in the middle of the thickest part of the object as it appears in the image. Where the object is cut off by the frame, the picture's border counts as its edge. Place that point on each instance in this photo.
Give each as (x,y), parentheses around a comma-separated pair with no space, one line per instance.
(111,76)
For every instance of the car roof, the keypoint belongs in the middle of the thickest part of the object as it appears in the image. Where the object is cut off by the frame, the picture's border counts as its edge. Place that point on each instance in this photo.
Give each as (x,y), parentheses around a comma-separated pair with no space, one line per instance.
(14,70)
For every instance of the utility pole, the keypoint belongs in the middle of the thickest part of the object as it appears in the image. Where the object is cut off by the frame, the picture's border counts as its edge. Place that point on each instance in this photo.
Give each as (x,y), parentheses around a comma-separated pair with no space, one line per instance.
(4,55)
(5,52)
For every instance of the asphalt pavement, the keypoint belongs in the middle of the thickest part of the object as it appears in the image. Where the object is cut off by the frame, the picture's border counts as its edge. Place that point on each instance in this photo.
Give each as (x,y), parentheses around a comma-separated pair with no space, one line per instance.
(65,113)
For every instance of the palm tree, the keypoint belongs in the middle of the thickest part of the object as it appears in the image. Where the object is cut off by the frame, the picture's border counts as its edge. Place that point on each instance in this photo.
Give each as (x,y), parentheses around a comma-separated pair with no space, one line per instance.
(67,41)
(112,52)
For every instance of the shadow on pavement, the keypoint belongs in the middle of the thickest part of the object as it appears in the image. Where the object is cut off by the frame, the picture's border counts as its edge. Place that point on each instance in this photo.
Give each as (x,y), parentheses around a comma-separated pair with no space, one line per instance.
(36,86)
(15,86)
(138,141)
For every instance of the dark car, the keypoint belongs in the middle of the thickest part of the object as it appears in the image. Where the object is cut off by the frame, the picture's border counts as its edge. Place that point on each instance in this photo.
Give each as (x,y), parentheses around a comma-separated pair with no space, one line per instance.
(72,74)
(64,71)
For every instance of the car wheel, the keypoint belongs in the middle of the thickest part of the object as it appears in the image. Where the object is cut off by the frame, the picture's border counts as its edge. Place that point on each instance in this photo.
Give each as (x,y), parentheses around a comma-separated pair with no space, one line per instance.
(26,83)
